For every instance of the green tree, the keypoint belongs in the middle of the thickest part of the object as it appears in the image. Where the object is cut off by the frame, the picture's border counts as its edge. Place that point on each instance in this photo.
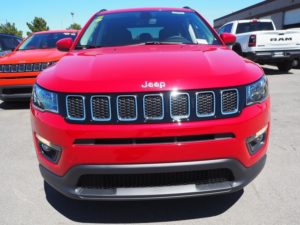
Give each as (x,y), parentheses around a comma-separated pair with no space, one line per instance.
(38,24)
(74,26)
(10,28)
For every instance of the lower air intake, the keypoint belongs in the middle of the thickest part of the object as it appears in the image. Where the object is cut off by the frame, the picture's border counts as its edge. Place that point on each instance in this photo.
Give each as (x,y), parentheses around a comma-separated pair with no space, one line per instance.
(112,181)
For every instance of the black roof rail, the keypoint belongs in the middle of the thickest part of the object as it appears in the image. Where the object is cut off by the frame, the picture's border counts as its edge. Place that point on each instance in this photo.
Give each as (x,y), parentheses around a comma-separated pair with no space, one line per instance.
(102,10)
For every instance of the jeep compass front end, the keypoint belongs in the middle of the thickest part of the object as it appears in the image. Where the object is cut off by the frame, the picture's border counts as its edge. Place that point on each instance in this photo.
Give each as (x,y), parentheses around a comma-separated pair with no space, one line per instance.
(149,104)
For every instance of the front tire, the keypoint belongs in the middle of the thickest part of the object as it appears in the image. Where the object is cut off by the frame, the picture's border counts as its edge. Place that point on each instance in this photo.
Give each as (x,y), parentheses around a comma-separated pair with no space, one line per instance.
(285,66)
(238,50)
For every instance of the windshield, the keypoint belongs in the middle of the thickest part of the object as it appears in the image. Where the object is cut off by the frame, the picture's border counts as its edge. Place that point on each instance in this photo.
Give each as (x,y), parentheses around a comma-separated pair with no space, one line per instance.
(254,26)
(45,41)
(147,27)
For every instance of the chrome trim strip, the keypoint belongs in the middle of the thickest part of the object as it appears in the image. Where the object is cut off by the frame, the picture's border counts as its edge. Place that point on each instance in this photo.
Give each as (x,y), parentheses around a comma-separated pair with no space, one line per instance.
(136,108)
(109,104)
(162,106)
(214,104)
(84,112)
(178,118)
(237,105)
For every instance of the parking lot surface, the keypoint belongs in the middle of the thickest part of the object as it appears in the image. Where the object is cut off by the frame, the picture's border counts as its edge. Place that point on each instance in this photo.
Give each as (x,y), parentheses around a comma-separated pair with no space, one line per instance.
(273,198)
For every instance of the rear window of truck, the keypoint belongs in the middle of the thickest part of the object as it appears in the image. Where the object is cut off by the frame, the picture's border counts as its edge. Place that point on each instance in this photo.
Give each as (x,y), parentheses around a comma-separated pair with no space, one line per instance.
(253,26)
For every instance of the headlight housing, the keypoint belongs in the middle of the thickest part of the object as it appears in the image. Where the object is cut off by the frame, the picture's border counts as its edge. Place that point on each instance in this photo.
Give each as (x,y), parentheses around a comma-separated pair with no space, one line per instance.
(257,92)
(44,100)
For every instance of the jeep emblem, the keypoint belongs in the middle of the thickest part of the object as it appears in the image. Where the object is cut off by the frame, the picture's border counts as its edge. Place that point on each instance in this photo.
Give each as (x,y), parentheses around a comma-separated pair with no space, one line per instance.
(148,84)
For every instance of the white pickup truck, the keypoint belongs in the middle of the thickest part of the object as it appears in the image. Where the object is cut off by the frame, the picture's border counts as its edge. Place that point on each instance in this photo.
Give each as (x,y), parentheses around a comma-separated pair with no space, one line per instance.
(259,41)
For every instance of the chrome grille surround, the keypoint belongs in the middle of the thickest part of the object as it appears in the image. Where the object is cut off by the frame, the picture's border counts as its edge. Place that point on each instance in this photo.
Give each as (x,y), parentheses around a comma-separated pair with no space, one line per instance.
(157,107)
(103,110)
(206,106)
(127,109)
(151,113)
(229,101)
(179,111)
(78,112)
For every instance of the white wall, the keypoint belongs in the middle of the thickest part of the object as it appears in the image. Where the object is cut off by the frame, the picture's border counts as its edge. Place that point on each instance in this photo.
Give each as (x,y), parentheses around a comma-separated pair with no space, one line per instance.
(292,17)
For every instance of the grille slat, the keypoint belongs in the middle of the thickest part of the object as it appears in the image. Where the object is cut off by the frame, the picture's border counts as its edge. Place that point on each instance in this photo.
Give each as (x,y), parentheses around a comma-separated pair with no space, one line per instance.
(6,68)
(180,106)
(127,107)
(229,101)
(29,67)
(14,68)
(22,67)
(153,107)
(101,108)
(37,67)
(112,181)
(76,107)
(205,104)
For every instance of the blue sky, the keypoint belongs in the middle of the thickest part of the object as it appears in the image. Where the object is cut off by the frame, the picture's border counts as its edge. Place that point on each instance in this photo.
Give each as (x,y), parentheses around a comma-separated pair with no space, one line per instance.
(58,12)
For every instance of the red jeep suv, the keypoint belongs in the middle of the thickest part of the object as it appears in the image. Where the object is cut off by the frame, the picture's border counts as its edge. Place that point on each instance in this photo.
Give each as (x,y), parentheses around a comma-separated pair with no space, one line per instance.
(149,104)
(19,69)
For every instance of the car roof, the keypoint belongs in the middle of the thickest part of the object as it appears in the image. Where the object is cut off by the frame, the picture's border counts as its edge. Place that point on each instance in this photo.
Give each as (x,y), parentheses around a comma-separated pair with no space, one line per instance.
(104,12)
(56,31)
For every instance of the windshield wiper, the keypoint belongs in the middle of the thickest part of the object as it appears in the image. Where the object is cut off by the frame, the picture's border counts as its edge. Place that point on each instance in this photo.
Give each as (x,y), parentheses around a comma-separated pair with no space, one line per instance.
(161,43)
(87,46)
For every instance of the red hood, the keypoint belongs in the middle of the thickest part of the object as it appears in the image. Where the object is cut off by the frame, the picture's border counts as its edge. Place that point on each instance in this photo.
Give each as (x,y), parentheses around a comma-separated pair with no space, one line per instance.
(125,69)
(32,56)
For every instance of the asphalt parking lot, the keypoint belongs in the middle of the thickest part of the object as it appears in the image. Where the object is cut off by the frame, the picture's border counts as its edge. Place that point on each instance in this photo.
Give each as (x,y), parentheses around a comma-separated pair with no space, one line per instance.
(273,198)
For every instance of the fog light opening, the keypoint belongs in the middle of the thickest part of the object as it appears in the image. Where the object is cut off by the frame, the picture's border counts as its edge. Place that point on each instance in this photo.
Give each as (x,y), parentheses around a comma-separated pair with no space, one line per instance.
(50,151)
(256,142)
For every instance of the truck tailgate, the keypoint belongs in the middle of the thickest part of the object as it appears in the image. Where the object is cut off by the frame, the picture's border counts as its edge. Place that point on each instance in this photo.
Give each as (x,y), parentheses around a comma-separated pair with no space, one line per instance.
(278,40)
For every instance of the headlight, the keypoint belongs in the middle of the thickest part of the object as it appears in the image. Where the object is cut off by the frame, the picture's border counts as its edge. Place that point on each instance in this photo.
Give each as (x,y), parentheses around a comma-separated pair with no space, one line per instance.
(44,100)
(257,92)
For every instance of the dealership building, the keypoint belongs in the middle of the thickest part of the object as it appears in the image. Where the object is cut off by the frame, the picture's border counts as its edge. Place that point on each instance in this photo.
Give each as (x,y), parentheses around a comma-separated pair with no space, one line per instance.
(284,13)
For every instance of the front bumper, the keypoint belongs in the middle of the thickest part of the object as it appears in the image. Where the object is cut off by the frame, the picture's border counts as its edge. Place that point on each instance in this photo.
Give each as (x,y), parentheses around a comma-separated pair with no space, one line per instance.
(15,93)
(83,159)
(273,56)
(67,184)
(16,87)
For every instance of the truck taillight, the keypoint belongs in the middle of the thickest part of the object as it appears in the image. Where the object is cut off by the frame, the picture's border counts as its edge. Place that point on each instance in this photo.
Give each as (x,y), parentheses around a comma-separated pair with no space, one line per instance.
(252,40)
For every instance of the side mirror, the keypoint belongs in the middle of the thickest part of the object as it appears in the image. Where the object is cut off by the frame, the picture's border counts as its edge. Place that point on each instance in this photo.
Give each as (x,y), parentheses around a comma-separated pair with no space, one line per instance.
(228,39)
(64,45)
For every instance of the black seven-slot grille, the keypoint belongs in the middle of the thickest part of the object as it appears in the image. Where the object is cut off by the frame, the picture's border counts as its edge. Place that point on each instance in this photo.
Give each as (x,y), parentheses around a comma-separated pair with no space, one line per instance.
(112,181)
(29,67)
(152,108)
